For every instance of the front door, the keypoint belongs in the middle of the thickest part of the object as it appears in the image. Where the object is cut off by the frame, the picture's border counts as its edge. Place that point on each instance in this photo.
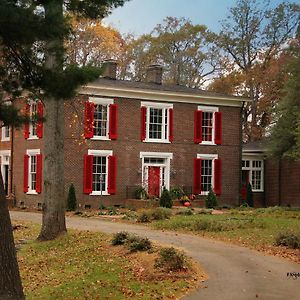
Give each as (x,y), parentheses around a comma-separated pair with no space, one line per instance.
(245,181)
(154,181)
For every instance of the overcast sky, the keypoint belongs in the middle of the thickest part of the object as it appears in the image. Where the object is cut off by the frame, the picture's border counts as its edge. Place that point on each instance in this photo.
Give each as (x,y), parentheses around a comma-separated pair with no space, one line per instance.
(141,16)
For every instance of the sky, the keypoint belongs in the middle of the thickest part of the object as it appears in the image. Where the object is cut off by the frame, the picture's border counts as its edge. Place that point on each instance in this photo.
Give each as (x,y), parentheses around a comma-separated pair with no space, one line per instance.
(141,16)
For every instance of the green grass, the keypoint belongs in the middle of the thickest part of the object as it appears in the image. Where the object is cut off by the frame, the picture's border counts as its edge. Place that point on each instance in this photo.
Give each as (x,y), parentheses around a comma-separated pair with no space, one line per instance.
(84,265)
(253,227)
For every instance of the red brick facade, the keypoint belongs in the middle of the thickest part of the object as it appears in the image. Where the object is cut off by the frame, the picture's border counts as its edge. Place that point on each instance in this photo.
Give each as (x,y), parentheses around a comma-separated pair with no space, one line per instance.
(128,146)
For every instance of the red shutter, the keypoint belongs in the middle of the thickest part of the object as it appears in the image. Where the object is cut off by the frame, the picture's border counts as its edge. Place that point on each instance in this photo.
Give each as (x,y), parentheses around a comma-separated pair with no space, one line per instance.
(218,128)
(171,125)
(88,174)
(143,122)
(198,127)
(39,173)
(113,120)
(112,174)
(218,176)
(26,125)
(197,175)
(89,120)
(39,127)
(26,170)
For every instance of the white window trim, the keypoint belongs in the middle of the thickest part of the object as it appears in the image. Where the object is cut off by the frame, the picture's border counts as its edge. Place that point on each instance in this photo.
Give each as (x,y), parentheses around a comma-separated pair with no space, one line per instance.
(102,101)
(106,153)
(212,109)
(3,137)
(166,155)
(31,152)
(212,157)
(252,158)
(166,107)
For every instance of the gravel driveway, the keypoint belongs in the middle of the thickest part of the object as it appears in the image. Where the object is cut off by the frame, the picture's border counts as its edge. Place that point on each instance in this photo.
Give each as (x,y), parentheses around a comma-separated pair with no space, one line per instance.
(235,273)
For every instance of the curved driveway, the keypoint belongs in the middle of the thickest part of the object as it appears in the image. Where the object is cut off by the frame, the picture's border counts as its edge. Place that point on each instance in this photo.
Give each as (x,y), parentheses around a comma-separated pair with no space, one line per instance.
(235,273)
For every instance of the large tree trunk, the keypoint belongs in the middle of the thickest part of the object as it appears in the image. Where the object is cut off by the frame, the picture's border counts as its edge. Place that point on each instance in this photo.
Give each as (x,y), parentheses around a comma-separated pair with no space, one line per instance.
(54,223)
(10,280)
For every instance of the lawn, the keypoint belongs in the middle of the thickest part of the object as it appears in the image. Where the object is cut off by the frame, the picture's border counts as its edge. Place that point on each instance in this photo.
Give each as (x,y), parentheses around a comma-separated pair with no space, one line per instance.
(254,228)
(84,265)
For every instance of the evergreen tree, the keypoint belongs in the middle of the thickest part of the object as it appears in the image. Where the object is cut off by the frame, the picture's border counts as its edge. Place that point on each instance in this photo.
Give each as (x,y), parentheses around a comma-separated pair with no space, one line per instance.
(32,34)
(249,198)
(211,199)
(35,55)
(165,199)
(72,201)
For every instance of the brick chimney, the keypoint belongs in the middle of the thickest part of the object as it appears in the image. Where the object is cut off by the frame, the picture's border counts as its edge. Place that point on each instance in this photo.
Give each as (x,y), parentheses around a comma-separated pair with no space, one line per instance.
(154,74)
(110,69)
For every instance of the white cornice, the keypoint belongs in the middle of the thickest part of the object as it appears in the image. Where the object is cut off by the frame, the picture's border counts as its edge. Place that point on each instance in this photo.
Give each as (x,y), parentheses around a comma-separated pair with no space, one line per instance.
(166,96)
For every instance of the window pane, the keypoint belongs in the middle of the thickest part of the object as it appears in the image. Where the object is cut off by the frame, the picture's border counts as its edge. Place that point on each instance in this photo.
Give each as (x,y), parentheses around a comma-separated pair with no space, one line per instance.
(100,120)
(32,172)
(99,173)
(33,115)
(256,179)
(155,123)
(206,175)
(207,126)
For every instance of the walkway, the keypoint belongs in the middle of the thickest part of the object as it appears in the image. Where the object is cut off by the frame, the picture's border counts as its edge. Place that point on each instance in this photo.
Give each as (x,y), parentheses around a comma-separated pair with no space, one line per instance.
(235,273)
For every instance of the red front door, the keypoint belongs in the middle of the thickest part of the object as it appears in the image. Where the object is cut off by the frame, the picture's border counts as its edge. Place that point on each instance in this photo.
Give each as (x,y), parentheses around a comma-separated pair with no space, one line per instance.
(154,181)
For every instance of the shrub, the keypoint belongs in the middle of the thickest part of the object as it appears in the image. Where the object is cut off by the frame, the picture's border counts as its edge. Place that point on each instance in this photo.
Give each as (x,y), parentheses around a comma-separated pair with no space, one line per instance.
(176,193)
(171,259)
(185,212)
(211,199)
(288,239)
(144,217)
(140,193)
(165,199)
(72,202)
(160,213)
(120,238)
(137,243)
(250,195)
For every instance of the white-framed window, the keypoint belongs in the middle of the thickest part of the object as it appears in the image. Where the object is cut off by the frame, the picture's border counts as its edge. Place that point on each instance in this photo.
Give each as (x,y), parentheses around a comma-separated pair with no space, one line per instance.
(100,171)
(157,122)
(207,172)
(208,124)
(33,111)
(156,171)
(254,167)
(5,134)
(32,170)
(101,117)
(5,168)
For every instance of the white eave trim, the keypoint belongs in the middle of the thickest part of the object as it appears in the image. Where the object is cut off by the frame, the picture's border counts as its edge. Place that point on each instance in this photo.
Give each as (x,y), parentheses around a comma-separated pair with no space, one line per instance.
(165,96)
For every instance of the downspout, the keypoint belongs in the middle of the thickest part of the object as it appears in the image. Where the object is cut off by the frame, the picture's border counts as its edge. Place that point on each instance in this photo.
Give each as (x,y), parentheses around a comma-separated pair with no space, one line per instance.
(12,166)
(241,153)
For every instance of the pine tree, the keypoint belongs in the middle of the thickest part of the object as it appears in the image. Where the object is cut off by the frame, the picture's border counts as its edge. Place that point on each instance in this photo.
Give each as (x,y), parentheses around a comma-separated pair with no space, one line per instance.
(32,35)
(211,199)
(165,199)
(72,201)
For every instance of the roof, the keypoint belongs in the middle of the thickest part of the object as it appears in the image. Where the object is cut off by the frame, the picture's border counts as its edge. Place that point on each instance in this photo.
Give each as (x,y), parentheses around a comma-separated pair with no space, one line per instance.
(259,146)
(143,90)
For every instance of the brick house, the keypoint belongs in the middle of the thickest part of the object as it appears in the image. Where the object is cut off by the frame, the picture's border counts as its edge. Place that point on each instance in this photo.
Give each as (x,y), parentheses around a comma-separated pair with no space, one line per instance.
(274,182)
(120,135)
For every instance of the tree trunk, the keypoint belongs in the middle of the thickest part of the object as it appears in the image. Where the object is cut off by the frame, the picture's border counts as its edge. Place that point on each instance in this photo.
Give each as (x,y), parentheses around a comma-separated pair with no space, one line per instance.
(10,280)
(53,223)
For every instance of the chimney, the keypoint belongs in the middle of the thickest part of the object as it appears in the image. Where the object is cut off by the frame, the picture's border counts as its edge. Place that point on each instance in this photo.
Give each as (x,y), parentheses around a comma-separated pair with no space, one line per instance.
(110,69)
(154,74)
